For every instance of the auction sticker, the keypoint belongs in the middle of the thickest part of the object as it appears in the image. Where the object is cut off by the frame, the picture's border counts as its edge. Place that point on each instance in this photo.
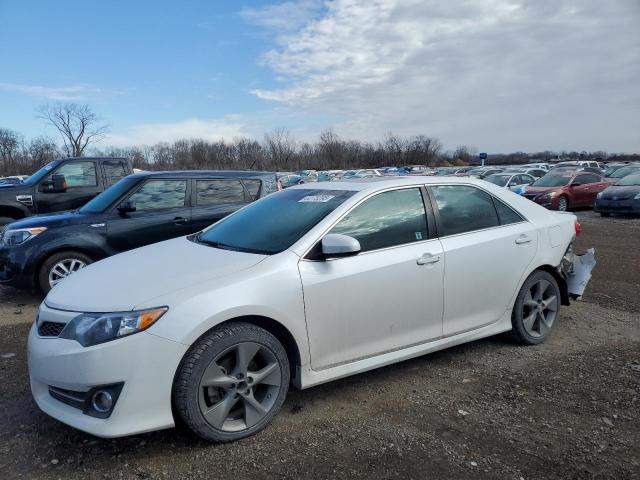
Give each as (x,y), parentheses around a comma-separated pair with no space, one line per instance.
(316,198)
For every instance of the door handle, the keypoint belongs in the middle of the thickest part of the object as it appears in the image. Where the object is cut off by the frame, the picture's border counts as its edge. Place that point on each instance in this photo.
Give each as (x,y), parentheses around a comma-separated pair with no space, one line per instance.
(180,220)
(523,239)
(428,258)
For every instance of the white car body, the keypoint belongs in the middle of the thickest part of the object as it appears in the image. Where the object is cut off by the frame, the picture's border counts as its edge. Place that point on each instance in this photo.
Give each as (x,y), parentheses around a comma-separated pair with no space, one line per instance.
(514,182)
(455,289)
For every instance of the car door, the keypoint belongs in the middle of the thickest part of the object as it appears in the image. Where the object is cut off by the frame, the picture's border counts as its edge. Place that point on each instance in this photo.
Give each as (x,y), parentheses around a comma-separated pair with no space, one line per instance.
(82,186)
(387,297)
(593,185)
(583,189)
(215,198)
(487,248)
(162,212)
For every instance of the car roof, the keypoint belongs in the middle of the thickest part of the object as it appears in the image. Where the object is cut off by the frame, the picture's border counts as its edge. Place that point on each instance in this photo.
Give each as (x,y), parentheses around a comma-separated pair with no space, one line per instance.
(375,184)
(203,173)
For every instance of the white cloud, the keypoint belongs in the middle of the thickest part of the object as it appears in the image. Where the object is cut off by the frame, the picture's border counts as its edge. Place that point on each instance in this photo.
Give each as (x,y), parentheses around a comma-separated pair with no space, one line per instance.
(498,74)
(70,93)
(283,17)
(226,128)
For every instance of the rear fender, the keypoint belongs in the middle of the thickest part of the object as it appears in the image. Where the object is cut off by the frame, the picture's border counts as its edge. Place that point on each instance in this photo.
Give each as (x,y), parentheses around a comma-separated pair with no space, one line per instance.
(576,270)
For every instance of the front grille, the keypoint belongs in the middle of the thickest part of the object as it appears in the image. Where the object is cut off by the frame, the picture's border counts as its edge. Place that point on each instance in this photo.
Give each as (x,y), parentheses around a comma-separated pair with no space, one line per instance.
(50,329)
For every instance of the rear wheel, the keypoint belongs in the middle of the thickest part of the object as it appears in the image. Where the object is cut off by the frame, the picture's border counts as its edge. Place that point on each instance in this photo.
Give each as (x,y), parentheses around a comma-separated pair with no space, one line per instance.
(59,266)
(563,204)
(232,382)
(536,309)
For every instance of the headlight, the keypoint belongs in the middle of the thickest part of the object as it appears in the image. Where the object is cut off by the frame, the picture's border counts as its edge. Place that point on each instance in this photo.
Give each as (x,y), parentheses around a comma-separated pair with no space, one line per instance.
(21,235)
(93,328)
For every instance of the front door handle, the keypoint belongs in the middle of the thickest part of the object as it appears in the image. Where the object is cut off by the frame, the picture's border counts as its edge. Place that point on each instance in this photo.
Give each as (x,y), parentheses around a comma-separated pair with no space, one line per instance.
(523,239)
(180,220)
(428,258)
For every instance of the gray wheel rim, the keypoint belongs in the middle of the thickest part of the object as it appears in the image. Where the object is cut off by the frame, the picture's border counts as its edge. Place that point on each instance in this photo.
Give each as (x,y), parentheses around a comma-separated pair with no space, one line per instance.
(562,204)
(240,387)
(63,269)
(540,308)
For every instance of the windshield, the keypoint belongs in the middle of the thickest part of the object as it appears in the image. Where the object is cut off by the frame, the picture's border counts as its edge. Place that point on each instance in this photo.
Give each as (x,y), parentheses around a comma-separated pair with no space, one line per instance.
(629,180)
(39,175)
(624,171)
(500,180)
(552,181)
(103,201)
(274,223)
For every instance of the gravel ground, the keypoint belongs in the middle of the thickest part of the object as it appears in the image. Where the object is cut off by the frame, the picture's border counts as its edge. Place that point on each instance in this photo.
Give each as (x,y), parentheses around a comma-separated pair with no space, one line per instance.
(488,409)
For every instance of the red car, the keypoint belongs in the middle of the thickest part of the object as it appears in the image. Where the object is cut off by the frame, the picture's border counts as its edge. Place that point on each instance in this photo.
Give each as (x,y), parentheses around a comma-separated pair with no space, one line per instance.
(564,190)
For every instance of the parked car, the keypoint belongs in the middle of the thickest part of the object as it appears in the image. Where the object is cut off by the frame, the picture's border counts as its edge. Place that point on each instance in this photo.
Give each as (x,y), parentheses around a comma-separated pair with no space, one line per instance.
(212,328)
(60,185)
(621,197)
(394,171)
(622,172)
(535,172)
(362,173)
(288,179)
(541,165)
(13,179)
(143,208)
(512,181)
(577,163)
(564,190)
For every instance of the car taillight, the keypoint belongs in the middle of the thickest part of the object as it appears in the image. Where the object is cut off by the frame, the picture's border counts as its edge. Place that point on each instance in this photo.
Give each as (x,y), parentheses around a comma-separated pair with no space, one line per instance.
(578,228)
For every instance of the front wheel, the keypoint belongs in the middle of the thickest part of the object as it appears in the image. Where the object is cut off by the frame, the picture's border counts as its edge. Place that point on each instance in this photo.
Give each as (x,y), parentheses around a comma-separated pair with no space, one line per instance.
(536,309)
(231,382)
(59,266)
(563,204)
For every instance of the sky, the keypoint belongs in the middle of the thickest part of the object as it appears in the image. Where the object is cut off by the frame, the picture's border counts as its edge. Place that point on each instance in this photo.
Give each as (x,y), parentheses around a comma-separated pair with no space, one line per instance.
(497,75)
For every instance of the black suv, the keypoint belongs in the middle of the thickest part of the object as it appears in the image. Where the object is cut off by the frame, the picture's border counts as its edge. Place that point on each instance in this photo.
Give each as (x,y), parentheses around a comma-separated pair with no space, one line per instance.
(60,185)
(140,209)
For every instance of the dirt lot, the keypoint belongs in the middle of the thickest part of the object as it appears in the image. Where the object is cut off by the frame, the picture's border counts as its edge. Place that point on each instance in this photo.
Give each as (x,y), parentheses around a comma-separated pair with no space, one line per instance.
(489,409)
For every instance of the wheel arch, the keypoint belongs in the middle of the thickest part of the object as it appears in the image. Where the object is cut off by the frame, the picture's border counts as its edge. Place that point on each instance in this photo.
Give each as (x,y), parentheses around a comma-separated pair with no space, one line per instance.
(562,282)
(14,212)
(89,252)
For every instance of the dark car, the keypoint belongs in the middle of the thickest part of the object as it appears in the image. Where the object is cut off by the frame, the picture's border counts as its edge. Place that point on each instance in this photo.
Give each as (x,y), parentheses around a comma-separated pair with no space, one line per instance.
(140,209)
(622,197)
(564,190)
(622,172)
(60,185)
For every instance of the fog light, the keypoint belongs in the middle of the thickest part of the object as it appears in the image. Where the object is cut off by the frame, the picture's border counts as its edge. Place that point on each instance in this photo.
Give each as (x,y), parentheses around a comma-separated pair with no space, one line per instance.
(102,401)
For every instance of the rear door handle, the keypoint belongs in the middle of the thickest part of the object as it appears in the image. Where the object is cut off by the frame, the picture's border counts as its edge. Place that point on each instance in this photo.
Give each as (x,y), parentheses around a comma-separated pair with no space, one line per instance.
(180,220)
(523,239)
(428,258)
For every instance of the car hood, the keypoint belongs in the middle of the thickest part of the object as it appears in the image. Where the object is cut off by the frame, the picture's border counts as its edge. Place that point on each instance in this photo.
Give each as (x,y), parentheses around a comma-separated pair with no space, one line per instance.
(541,189)
(55,219)
(621,191)
(121,282)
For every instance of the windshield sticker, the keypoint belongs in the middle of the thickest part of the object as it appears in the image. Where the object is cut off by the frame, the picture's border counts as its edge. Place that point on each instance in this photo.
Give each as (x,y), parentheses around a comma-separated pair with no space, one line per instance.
(316,198)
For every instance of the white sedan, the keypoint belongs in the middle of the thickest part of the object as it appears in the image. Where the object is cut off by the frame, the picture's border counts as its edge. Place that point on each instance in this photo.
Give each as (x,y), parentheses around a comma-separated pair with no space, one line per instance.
(314,283)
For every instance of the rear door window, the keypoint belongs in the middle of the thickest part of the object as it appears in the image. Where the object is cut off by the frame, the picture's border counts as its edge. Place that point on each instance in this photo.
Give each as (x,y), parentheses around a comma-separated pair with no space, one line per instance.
(388,219)
(463,209)
(114,171)
(587,179)
(219,192)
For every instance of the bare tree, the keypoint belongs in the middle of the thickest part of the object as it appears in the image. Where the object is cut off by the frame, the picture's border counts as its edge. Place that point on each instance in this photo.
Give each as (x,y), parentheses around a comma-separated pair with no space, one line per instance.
(77,124)
(280,146)
(9,144)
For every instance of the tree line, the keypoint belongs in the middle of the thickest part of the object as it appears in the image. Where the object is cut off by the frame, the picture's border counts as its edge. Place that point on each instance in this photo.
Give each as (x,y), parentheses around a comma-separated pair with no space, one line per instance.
(80,131)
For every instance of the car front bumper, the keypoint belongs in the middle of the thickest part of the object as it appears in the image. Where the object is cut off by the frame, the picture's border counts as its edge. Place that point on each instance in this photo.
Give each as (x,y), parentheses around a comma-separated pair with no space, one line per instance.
(143,363)
(629,205)
(16,267)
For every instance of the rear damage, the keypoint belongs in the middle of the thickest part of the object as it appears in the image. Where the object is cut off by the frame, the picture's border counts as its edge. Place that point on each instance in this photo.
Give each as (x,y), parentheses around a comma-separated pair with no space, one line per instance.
(576,271)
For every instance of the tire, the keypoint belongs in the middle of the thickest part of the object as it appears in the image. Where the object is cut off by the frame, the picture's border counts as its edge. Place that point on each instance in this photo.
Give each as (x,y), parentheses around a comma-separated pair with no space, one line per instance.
(72,259)
(563,204)
(6,220)
(605,214)
(534,315)
(215,391)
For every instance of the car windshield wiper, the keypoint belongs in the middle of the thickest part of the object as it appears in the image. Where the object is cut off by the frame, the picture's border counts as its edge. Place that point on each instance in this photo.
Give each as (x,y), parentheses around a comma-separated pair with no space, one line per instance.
(213,243)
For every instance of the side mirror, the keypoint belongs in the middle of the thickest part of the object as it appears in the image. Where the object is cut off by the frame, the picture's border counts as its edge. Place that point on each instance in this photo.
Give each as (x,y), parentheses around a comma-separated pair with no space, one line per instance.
(127,207)
(336,245)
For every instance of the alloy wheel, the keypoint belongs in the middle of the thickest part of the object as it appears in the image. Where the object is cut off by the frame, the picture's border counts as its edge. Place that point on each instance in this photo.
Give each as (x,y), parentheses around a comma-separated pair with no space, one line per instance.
(540,308)
(562,204)
(240,387)
(63,269)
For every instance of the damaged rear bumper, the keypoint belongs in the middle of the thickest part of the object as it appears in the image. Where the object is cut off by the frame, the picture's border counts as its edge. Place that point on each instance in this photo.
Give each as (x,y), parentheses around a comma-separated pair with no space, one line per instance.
(576,270)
